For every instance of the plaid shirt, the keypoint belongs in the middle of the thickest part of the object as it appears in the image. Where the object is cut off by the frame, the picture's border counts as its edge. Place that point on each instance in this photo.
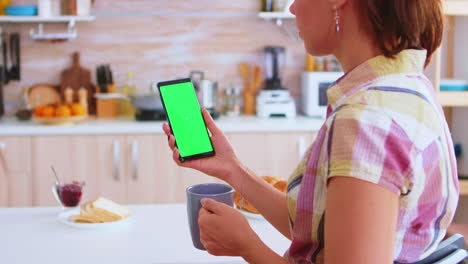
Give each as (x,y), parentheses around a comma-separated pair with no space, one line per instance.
(386,126)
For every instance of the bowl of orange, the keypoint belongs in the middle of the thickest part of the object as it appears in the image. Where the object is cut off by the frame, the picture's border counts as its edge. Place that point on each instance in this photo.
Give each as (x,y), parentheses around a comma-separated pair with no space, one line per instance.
(59,114)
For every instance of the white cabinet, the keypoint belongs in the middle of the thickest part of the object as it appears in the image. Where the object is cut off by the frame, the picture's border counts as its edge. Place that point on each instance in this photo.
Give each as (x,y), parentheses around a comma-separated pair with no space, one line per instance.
(16,186)
(129,169)
(271,154)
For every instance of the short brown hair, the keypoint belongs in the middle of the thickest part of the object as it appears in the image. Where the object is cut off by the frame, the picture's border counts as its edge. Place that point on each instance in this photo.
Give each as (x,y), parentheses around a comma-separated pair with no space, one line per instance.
(404,24)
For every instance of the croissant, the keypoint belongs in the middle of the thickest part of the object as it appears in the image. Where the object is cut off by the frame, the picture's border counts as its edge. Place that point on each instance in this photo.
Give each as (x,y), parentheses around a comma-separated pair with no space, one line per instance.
(243,204)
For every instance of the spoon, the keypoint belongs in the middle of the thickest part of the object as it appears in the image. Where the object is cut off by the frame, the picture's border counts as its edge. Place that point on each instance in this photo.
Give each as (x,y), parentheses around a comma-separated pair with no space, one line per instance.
(55,173)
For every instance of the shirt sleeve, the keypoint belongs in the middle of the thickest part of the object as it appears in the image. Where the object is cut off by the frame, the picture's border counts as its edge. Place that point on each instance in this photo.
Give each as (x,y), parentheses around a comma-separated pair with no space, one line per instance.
(369,145)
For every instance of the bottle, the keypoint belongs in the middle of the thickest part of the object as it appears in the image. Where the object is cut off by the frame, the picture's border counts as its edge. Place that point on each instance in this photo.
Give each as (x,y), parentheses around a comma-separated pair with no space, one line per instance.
(267,5)
(126,108)
(310,63)
(232,106)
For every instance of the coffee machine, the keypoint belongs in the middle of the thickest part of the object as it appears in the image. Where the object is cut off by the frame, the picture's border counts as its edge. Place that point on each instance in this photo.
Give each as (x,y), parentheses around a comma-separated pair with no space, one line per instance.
(274,100)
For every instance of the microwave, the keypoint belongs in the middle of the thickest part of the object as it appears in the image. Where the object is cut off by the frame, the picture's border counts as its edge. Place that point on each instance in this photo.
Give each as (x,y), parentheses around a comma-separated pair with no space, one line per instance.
(314,86)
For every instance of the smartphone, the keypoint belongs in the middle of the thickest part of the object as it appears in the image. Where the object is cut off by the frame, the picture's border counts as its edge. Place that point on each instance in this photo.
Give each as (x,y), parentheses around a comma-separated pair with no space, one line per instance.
(185,119)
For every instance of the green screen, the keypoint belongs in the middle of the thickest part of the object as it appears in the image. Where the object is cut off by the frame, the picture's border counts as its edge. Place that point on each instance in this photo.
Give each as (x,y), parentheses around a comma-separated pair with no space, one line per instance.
(186,119)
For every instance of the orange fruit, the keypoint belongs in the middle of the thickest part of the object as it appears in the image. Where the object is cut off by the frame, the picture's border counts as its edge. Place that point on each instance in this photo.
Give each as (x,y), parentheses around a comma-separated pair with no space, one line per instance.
(48,111)
(38,110)
(63,111)
(78,109)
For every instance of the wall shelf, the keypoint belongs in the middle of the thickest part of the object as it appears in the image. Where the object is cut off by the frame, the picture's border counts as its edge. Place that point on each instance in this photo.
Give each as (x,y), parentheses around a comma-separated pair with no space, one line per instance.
(451,8)
(278,16)
(463,187)
(456,7)
(37,19)
(40,35)
(454,99)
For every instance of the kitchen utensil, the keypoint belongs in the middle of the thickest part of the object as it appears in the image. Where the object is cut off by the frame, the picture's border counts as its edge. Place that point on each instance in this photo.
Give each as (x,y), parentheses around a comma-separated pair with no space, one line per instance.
(209,97)
(55,174)
(21,10)
(267,5)
(274,100)
(148,107)
(107,105)
(147,102)
(197,77)
(24,114)
(15,69)
(244,70)
(219,192)
(43,94)
(257,79)
(77,77)
(274,61)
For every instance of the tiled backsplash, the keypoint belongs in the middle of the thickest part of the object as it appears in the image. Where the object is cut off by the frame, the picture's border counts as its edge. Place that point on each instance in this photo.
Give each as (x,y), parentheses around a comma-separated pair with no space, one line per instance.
(160,40)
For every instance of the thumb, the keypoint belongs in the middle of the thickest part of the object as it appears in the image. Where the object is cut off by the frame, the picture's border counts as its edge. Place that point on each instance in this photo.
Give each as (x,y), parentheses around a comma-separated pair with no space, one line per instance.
(213,206)
(210,123)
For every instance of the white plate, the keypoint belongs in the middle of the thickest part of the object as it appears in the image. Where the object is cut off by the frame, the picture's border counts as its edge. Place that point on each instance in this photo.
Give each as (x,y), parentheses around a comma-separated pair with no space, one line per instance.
(252,216)
(63,218)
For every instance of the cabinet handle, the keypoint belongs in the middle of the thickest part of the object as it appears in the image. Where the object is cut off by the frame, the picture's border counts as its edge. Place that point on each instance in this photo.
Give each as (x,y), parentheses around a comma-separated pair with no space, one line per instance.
(116,160)
(3,161)
(301,147)
(135,159)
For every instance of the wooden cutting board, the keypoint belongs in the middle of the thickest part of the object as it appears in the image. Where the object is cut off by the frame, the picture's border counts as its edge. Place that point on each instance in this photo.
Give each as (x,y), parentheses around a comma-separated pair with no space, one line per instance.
(77,77)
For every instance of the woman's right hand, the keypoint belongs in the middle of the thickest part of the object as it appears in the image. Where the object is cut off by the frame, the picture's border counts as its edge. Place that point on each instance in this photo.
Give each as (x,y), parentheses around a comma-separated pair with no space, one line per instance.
(221,165)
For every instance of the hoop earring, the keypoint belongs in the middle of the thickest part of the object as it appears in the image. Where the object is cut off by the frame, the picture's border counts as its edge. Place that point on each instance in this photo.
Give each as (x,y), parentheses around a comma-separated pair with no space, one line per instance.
(337,20)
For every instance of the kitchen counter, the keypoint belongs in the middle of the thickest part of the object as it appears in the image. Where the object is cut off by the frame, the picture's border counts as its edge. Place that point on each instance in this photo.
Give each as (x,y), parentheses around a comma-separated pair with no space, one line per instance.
(158,234)
(243,124)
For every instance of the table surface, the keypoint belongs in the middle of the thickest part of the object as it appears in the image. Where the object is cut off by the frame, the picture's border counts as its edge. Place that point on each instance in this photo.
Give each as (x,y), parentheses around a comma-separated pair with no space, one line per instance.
(156,234)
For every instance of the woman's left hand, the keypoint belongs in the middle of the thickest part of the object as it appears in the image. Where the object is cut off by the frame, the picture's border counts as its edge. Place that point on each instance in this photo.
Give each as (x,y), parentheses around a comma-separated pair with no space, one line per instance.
(224,231)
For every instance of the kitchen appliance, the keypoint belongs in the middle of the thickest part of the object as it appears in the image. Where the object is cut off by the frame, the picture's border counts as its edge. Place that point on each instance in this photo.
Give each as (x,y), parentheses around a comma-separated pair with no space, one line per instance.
(209,97)
(314,86)
(274,100)
(207,92)
(9,72)
(148,107)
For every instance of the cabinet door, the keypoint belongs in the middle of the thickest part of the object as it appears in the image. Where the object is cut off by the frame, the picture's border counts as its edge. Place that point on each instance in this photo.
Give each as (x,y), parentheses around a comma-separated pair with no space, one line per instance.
(96,160)
(172,180)
(284,151)
(271,154)
(141,169)
(15,171)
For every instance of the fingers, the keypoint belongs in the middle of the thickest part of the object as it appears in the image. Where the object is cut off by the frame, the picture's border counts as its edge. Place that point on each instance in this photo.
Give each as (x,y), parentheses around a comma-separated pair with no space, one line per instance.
(214,129)
(171,142)
(214,206)
(166,129)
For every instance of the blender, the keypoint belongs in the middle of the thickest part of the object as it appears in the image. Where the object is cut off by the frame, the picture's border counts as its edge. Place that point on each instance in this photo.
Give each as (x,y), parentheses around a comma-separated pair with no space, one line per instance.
(274,100)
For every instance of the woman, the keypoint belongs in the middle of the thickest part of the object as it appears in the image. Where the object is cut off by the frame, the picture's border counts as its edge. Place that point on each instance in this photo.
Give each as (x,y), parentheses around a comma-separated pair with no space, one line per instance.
(379,184)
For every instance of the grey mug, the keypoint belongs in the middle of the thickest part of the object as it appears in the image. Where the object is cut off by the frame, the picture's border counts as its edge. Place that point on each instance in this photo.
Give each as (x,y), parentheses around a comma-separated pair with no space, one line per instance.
(219,192)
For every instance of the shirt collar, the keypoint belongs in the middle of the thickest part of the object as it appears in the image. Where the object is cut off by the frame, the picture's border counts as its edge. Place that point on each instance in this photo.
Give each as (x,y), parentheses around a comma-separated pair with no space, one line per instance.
(407,61)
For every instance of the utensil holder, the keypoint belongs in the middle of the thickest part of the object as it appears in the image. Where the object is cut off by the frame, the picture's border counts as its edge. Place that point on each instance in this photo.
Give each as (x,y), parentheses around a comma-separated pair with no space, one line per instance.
(107,108)
(249,104)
